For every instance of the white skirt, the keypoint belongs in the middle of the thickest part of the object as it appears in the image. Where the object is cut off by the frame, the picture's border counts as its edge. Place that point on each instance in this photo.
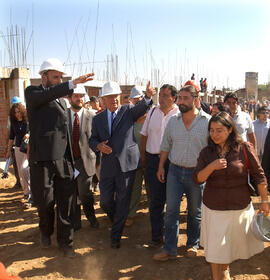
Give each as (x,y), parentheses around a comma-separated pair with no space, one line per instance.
(226,235)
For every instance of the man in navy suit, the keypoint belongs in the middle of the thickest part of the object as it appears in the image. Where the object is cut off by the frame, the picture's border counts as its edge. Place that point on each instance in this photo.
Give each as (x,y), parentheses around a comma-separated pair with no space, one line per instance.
(112,135)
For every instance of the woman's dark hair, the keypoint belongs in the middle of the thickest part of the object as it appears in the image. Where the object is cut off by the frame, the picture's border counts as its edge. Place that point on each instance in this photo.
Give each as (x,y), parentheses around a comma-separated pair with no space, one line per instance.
(222,107)
(21,108)
(225,119)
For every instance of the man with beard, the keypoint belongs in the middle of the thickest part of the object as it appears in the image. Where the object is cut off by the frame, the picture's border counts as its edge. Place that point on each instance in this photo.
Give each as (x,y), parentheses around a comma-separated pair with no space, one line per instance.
(80,125)
(50,156)
(184,137)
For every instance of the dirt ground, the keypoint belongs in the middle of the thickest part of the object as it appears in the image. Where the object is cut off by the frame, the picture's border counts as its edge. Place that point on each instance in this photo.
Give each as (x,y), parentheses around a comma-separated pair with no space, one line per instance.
(21,253)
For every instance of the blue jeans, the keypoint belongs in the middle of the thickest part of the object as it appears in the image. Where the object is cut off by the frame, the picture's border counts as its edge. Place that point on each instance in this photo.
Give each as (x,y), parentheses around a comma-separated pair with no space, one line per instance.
(180,181)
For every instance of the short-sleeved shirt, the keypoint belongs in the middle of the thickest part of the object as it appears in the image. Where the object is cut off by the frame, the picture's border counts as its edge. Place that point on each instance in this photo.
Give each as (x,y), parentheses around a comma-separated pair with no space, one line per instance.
(154,127)
(184,145)
(243,124)
(261,130)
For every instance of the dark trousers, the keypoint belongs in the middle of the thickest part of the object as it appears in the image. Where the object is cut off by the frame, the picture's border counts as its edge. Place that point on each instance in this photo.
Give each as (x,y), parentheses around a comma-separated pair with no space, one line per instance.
(52,182)
(115,194)
(84,193)
(157,195)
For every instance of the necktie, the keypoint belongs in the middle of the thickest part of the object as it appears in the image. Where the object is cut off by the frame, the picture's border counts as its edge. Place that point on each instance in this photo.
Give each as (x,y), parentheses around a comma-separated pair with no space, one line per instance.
(112,120)
(76,137)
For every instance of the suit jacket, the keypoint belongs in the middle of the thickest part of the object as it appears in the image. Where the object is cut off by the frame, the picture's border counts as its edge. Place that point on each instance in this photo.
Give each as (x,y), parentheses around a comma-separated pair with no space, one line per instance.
(48,122)
(87,155)
(266,158)
(122,141)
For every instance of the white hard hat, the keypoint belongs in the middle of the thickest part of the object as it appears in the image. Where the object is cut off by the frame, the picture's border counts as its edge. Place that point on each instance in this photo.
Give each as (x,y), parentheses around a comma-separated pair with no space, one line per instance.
(51,64)
(86,98)
(260,227)
(110,88)
(79,89)
(135,93)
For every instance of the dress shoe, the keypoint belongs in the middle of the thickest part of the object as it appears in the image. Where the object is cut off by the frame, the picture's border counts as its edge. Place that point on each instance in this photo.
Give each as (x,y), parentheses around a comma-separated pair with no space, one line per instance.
(129,222)
(155,243)
(68,251)
(94,222)
(115,244)
(45,241)
(192,252)
(163,257)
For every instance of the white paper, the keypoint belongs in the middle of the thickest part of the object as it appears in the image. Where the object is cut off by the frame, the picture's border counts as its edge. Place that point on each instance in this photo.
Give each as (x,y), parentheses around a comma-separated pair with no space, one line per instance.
(76,173)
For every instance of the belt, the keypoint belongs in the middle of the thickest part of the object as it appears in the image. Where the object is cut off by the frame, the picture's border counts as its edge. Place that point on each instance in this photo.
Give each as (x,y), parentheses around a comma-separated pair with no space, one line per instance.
(188,168)
(153,155)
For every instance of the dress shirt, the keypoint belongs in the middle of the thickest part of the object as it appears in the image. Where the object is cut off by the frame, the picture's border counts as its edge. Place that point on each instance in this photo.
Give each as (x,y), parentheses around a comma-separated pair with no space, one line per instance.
(243,124)
(184,145)
(261,130)
(73,117)
(154,127)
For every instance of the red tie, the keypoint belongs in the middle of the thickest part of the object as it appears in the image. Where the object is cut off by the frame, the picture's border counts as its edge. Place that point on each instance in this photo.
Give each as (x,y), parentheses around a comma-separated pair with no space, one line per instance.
(76,137)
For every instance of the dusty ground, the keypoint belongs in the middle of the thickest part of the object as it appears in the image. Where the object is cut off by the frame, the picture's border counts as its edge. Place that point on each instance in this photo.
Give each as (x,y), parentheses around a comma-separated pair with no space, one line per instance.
(21,254)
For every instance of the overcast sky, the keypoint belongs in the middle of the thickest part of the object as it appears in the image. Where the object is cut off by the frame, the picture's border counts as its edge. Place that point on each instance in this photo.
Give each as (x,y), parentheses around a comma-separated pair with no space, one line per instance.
(220,39)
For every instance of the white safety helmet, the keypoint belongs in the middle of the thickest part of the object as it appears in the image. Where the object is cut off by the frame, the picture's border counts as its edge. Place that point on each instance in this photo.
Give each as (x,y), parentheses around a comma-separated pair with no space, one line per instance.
(110,88)
(260,227)
(52,64)
(135,93)
(80,89)
(86,98)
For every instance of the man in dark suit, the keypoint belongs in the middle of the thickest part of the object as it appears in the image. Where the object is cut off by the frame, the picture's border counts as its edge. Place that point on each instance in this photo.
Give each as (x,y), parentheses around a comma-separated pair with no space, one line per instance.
(113,136)
(80,125)
(50,156)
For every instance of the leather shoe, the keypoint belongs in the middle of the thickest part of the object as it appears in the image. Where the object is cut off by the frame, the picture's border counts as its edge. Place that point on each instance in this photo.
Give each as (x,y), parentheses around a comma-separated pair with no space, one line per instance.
(68,251)
(163,257)
(94,222)
(45,241)
(129,222)
(155,243)
(115,245)
(192,252)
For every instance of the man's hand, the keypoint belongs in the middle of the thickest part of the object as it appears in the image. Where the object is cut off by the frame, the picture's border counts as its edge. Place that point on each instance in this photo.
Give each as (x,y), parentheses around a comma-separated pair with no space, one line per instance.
(264,208)
(83,79)
(150,91)
(105,149)
(161,174)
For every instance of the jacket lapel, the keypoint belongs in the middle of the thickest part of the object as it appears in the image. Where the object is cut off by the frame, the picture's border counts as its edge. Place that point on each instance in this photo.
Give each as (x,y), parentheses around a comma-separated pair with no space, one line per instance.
(119,117)
(61,103)
(104,122)
(83,123)
(70,124)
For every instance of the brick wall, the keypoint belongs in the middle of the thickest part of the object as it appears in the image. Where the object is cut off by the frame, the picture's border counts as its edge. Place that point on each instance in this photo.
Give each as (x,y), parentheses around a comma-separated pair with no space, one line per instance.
(4,111)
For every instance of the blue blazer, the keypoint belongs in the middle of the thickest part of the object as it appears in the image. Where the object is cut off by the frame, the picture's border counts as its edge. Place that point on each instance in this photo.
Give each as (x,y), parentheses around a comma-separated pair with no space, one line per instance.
(122,141)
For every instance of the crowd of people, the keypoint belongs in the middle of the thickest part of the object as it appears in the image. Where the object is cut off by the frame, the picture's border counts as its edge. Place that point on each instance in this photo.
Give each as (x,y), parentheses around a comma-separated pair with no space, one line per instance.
(181,146)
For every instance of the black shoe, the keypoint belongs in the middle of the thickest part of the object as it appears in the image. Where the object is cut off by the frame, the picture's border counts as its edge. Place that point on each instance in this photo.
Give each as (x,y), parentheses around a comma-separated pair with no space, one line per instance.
(68,251)
(155,243)
(45,241)
(94,222)
(115,244)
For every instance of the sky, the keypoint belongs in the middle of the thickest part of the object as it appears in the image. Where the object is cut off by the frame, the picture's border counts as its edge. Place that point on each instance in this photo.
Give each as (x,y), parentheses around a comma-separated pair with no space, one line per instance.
(161,41)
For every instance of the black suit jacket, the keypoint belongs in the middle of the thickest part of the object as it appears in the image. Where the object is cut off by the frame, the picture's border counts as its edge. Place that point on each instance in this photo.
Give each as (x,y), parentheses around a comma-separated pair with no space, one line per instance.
(48,122)
(87,155)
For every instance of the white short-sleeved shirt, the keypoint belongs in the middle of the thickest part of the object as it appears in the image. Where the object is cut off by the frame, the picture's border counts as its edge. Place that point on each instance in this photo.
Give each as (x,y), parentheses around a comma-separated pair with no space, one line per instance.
(243,124)
(154,127)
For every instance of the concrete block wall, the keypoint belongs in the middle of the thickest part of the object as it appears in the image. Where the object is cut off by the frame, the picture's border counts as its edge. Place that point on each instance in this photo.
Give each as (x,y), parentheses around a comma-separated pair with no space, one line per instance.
(4,112)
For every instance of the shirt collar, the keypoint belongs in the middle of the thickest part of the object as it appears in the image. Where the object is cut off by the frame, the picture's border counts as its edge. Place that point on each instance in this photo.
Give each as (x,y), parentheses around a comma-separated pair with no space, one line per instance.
(78,113)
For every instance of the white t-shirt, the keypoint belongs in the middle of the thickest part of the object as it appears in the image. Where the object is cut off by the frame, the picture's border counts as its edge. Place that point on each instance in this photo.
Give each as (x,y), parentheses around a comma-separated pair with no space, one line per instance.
(243,124)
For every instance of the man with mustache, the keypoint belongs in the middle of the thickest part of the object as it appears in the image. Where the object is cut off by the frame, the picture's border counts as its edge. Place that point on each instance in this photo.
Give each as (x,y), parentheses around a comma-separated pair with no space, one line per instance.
(184,137)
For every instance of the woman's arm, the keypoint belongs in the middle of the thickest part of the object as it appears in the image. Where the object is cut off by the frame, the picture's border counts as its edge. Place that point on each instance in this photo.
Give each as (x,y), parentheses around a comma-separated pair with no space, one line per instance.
(217,164)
